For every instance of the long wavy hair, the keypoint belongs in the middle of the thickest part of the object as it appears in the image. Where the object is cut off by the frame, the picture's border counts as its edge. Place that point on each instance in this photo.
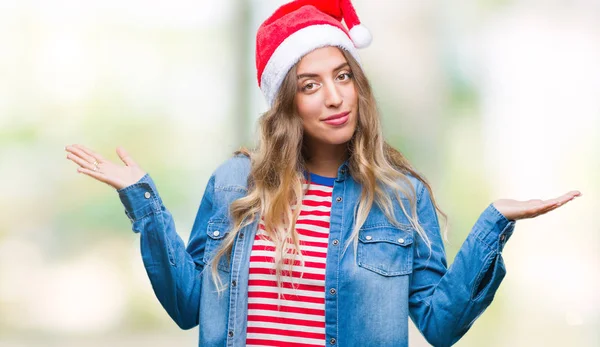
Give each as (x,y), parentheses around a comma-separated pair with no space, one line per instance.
(276,179)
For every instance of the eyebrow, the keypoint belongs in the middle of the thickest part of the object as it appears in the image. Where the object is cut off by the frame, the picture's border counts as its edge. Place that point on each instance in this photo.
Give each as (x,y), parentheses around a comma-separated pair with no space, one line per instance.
(316,75)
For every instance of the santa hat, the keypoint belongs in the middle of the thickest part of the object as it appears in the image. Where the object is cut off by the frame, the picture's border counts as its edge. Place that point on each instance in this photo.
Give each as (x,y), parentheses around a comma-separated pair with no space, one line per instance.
(299,27)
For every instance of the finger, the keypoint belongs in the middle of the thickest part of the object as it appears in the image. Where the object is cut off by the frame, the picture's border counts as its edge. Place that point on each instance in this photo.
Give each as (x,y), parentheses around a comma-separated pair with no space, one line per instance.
(555,203)
(91,153)
(569,196)
(541,207)
(563,198)
(80,161)
(77,151)
(122,153)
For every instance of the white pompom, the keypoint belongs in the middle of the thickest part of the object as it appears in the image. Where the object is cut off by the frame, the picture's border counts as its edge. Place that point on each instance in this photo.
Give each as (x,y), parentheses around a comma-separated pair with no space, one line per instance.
(360,36)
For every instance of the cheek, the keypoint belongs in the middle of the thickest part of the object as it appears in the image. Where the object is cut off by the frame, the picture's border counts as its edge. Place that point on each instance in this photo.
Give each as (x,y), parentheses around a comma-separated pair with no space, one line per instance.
(352,95)
(309,108)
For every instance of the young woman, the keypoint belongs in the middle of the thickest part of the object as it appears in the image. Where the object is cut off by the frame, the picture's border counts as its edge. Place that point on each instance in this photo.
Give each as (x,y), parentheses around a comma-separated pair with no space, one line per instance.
(324,234)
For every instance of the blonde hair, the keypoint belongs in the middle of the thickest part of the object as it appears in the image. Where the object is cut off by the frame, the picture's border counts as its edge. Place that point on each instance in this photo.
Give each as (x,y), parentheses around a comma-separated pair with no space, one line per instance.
(276,177)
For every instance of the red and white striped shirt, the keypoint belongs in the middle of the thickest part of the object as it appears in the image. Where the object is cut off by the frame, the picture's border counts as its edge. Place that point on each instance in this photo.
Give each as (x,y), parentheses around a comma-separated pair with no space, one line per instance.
(300,319)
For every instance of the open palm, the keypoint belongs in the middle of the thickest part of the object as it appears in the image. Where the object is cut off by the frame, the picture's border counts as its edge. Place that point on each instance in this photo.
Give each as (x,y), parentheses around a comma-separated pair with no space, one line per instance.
(95,166)
(514,209)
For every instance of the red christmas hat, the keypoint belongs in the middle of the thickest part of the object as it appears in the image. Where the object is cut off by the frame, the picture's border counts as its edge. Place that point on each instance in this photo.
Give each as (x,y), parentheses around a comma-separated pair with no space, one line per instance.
(299,27)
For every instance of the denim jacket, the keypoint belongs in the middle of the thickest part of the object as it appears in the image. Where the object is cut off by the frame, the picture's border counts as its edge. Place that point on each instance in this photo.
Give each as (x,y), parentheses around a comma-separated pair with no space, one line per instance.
(367,303)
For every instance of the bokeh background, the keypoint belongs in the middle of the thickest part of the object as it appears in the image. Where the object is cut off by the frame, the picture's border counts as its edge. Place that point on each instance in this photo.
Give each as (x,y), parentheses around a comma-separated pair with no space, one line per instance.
(489,99)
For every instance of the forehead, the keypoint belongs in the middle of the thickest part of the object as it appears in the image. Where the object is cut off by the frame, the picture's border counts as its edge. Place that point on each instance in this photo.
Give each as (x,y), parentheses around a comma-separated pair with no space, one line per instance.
(323,59)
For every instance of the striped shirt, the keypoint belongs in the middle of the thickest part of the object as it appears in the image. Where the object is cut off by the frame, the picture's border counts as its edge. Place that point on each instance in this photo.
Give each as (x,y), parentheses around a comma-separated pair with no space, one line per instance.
(300,319)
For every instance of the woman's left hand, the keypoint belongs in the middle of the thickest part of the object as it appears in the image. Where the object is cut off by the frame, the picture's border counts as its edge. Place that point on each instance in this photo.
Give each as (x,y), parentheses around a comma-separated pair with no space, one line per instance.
(513,209)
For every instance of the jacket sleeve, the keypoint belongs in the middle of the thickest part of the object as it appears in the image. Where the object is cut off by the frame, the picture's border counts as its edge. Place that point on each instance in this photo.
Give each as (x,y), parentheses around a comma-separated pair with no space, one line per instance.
(444,302)
(174,272)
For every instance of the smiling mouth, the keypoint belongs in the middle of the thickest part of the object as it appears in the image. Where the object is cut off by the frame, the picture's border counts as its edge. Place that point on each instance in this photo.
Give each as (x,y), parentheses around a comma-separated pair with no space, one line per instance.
(336,116)
(337,119)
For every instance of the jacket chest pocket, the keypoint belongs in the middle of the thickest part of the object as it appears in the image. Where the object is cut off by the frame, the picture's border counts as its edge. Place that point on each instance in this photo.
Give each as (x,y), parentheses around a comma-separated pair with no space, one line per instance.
(385,249)
(216,232)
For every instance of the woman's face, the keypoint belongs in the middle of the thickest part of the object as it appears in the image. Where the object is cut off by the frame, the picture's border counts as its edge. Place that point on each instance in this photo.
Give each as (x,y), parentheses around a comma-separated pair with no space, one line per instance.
(326,97)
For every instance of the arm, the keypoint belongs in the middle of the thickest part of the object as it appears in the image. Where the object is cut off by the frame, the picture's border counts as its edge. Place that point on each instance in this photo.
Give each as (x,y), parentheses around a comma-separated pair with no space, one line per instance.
(444,302)
(173,271)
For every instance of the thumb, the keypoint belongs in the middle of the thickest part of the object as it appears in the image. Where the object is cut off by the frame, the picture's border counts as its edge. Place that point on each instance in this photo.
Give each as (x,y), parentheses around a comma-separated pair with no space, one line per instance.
(125,156)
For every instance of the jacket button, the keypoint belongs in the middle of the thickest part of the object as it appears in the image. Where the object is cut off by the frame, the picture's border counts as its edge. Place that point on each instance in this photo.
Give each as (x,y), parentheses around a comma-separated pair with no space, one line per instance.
(332,291)
(216,233)
(147,195)
(332,341)
(241,235)
(230,333)
(400,240)
(335,242)
(338,199)
(502,237)
(343,170)
(368,237)
(233,283)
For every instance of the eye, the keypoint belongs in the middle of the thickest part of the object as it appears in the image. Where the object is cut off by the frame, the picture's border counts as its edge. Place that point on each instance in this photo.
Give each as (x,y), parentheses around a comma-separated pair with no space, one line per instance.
(344,76)
(309,86)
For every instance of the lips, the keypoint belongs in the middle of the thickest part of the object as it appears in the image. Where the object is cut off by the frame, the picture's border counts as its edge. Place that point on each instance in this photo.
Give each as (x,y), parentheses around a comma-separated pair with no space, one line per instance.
(337,119)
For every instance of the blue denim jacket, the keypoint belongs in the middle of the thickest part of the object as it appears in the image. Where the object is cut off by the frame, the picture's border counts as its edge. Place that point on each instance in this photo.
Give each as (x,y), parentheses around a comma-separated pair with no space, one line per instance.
(366,303)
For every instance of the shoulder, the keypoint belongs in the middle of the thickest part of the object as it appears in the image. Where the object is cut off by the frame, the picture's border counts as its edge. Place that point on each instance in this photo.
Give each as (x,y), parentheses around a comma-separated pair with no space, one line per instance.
(410,185)
(233,173)
(236,163)
(418,185)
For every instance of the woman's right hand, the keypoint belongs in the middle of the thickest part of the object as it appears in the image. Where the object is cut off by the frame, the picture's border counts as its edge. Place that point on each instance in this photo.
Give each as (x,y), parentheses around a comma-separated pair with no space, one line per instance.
(95,166)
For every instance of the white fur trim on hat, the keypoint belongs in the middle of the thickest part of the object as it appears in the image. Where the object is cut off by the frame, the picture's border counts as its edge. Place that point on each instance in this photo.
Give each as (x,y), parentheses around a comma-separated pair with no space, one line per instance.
(361,36)
(294,47)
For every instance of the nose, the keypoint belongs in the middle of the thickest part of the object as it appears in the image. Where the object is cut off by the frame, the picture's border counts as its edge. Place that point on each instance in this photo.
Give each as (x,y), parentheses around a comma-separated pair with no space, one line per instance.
(333,97)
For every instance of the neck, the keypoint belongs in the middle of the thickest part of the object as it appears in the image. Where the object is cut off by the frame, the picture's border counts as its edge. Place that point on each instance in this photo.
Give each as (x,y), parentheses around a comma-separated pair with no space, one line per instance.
(324,160)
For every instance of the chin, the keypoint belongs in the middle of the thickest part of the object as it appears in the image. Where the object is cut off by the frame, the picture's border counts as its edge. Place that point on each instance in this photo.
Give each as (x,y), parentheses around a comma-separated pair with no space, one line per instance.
(340,138)
(331,136)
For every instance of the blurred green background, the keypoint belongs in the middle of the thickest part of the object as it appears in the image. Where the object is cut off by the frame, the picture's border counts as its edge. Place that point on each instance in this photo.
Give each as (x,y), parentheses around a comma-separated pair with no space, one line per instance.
(489,99)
